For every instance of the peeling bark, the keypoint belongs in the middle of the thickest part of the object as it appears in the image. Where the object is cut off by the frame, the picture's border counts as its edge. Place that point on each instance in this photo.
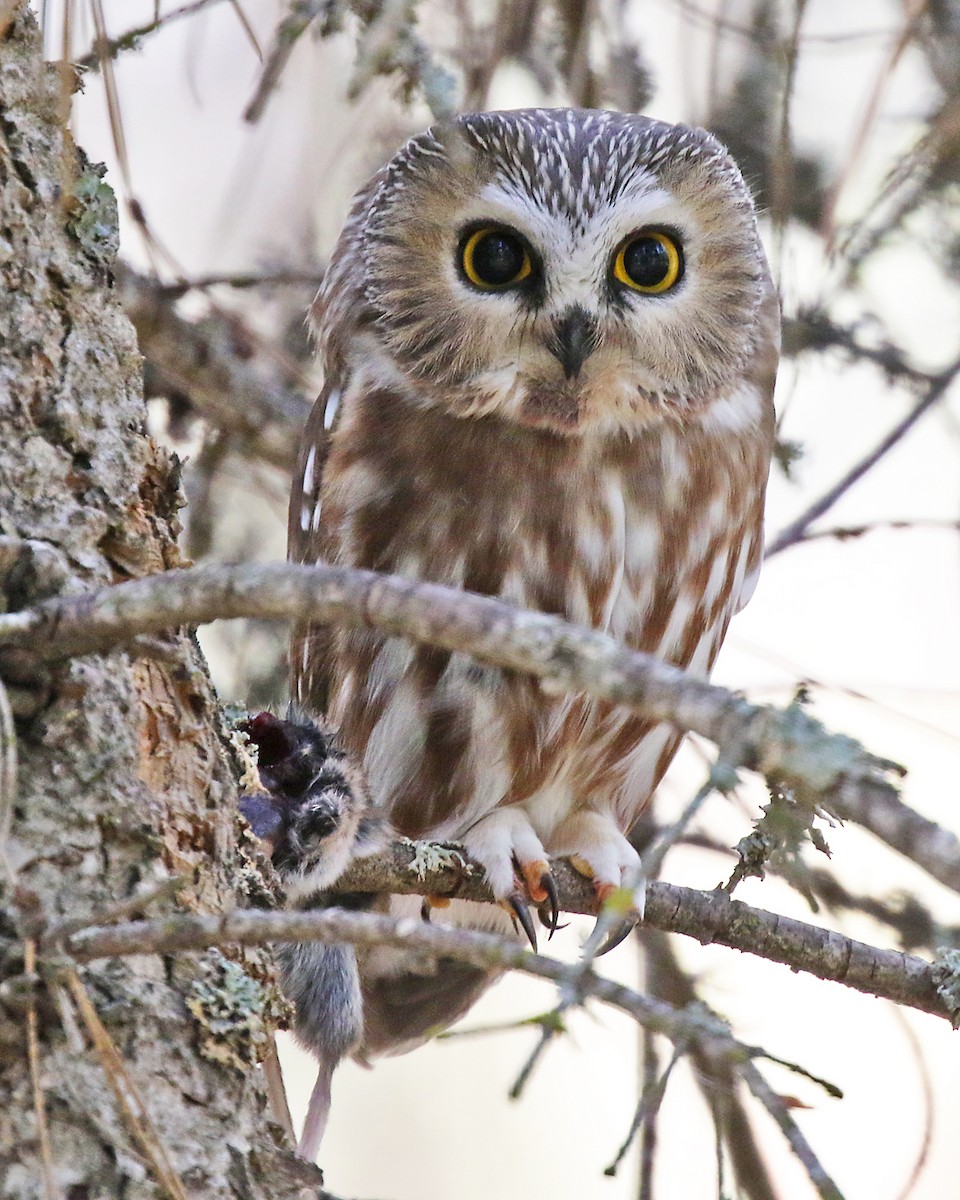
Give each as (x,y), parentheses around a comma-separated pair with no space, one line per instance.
(125,774)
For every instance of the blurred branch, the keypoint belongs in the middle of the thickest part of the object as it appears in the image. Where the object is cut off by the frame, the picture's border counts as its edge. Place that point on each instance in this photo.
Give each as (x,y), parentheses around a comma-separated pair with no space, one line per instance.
(844,533)
(886,973)
(937,388)
(851,159)
(386,44)
(253,279)
(289,31)
(777,1107)
(813,330)
(787,746)
(108,48)
(716,1079)
(215,364)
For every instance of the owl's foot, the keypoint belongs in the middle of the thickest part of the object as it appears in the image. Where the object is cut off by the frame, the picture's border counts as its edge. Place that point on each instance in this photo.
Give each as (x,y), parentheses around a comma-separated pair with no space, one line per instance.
(519,912)
(598,850)
(516,866)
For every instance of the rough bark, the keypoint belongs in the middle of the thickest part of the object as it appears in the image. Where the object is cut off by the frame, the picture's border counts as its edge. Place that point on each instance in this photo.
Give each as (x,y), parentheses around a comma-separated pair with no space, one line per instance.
(124,774)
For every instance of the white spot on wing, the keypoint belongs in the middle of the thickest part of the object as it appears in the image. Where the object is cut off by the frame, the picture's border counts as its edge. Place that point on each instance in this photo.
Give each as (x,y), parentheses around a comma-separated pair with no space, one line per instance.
(330,409)
(308,471)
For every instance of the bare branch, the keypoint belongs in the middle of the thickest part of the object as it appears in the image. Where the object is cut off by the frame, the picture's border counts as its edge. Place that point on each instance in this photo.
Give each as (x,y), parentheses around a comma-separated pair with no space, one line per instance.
(710,917)
(844,533)
(777,1108)
(135,1113)
(8,770)
(787,746)
(108,48)
(251,396)
(51,1189)
(936,390)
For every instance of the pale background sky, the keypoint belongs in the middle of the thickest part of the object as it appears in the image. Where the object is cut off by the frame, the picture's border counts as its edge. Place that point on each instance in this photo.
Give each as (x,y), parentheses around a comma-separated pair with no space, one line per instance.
(874,622)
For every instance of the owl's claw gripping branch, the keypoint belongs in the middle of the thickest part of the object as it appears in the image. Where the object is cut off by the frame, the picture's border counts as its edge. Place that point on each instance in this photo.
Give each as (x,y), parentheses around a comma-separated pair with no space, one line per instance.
(553,899)
(618,934)
(541,889)
(516,905)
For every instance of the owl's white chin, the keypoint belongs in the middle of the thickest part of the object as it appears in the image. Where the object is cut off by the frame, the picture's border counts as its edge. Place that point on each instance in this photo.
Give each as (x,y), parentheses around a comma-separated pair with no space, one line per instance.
(596,401)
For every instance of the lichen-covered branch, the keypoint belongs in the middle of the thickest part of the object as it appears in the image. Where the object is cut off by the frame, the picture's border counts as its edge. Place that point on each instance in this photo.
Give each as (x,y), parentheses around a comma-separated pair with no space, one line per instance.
(788,746)
(710,917)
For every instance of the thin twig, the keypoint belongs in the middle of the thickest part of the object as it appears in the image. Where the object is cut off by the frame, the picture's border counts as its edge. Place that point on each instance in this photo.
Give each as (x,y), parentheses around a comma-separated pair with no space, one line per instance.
(117,910)
(647,1108)
(668,837)
(843,533)
(710,917)
(108,48)
(51,1189)
(284,277)
(926,1084)
(8,777)
(796,529)
(137,1118)
(289,31)
(775,1106)
(716,1079)
(852,158)
(782,161)
(550,1026)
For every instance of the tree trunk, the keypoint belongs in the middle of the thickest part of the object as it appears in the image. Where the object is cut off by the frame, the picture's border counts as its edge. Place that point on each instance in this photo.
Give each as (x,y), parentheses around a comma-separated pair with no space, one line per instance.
(125,773)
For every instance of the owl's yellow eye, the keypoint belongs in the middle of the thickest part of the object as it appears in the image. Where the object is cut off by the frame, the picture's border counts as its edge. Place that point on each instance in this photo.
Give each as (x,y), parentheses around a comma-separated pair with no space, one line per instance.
(494,257)
(650,262)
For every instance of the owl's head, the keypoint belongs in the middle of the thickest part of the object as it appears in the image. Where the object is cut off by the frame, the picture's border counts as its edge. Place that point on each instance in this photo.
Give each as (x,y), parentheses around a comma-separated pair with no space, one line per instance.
(560,268)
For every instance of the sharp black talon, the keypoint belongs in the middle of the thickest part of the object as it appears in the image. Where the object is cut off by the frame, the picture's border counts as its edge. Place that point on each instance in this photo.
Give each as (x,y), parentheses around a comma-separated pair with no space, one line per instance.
(617,935)
(550,887)
(425,910)
(520,908)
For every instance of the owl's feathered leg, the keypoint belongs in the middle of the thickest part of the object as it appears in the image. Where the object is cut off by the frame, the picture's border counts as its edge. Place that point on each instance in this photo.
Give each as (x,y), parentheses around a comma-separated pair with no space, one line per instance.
(599,851)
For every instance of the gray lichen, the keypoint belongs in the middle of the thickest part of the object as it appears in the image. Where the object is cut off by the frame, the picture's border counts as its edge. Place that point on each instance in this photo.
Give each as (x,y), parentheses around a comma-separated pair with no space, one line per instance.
(236,1013)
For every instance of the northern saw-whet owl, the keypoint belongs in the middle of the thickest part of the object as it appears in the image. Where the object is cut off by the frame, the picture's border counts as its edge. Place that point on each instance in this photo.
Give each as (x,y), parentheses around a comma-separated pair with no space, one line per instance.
(549,340)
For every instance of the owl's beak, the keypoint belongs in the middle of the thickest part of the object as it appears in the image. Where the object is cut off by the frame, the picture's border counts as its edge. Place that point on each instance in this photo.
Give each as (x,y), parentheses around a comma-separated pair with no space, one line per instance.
(574,339)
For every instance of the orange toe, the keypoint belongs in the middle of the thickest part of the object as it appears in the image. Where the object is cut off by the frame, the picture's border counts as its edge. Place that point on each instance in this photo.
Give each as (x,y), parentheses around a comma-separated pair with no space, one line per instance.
(533,873)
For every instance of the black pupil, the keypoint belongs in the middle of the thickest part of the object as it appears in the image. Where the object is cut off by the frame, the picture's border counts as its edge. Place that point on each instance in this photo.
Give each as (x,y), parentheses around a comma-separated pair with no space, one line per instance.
(646,261)
(498,258)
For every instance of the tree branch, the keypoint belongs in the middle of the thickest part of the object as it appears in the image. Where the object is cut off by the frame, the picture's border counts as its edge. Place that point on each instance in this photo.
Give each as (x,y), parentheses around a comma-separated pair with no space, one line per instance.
(214,362)
(936,389)
(788,746)
(710,917)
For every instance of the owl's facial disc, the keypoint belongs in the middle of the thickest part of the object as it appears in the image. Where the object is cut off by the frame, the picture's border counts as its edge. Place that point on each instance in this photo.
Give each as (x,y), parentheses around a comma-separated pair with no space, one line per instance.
(569,270)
